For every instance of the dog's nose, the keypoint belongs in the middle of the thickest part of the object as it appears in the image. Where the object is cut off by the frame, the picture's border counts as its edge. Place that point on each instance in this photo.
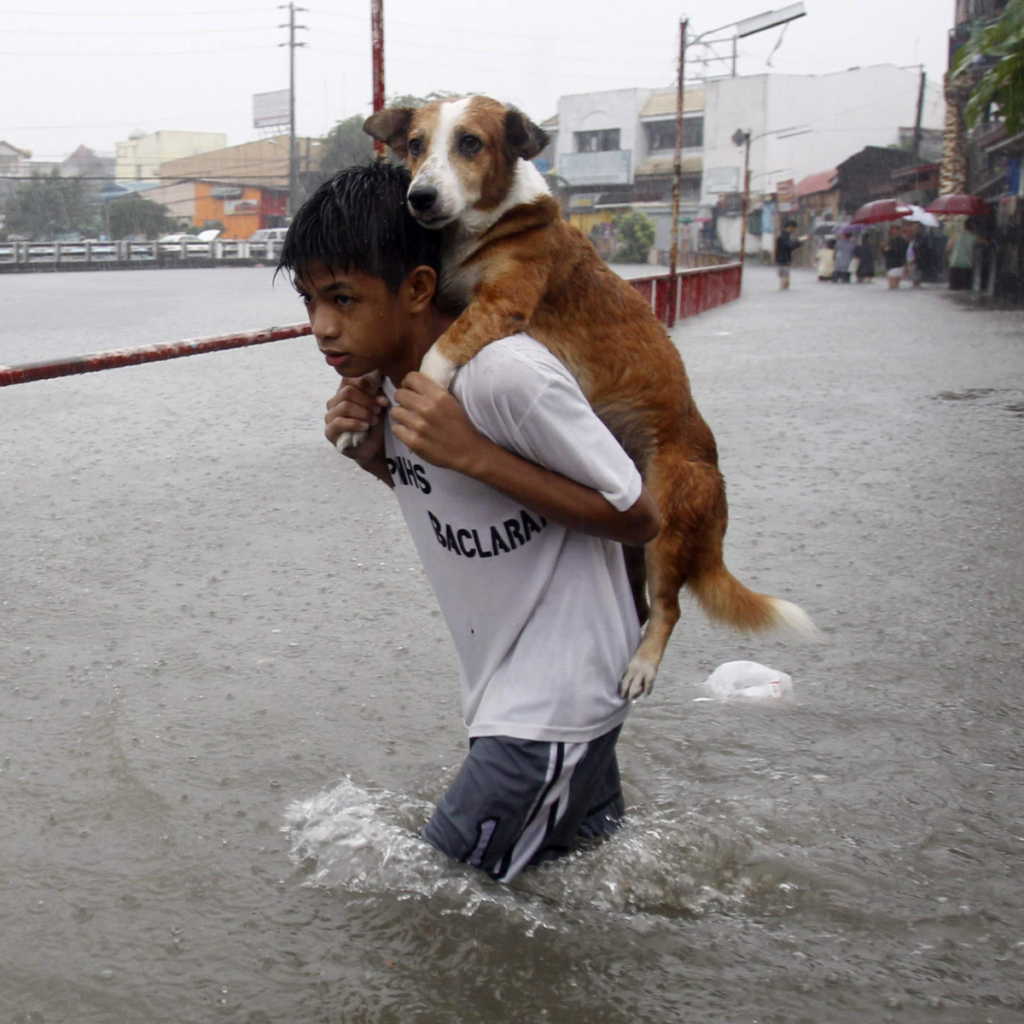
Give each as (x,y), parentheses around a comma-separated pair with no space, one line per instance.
(422,199)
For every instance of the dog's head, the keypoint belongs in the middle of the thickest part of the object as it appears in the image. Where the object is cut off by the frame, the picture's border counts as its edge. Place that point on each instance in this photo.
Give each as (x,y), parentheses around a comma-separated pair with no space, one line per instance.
(462,153)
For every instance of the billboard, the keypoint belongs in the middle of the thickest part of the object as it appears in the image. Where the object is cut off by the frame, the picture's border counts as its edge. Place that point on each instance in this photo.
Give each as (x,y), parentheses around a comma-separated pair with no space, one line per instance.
(271,108)
(717,181)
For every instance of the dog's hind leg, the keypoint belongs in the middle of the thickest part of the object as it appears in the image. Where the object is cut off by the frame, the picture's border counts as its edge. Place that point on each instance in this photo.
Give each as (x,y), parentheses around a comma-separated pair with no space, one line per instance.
(690,496)
(665,577)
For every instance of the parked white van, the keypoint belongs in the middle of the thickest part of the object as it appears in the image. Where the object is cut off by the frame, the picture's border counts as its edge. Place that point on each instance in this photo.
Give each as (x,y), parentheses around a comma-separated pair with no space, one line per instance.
(269,235)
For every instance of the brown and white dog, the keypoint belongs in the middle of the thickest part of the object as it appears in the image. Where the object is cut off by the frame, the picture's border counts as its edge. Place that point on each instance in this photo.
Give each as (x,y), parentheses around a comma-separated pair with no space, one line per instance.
(515,265)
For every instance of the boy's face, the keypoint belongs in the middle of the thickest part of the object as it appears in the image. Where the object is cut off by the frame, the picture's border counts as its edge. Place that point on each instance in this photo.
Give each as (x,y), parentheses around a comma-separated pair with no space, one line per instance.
(358,323)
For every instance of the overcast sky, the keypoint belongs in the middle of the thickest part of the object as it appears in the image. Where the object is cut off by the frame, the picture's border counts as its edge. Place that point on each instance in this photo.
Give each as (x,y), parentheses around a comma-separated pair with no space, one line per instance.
(90,71)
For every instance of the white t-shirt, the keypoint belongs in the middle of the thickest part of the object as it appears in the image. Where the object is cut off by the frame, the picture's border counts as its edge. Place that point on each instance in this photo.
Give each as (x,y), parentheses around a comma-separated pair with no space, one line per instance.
(542,617)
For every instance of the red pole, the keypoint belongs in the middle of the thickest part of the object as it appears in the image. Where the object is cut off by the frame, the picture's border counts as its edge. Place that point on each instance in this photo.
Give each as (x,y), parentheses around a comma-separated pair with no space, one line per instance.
(94,361)
(377,35)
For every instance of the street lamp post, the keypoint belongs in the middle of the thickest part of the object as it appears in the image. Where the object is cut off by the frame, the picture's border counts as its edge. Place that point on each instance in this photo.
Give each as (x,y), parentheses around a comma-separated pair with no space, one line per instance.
(743,28)
(742,138)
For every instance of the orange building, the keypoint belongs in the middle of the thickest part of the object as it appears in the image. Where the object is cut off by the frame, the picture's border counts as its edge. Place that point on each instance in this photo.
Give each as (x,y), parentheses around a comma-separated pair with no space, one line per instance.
(244,187)
(242,209)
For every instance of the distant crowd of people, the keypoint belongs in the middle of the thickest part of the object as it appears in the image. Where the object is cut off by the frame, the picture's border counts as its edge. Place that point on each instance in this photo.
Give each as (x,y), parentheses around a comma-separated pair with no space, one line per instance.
(909,252)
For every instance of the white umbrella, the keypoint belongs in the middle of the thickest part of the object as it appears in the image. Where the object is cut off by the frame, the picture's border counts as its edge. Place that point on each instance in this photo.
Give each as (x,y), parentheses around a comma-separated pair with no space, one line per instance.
(922,216)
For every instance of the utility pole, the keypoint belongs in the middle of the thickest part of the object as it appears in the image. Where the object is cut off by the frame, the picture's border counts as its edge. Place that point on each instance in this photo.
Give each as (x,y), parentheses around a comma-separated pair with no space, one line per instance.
(677,175)
(377,42)
(293,175)
(920,113)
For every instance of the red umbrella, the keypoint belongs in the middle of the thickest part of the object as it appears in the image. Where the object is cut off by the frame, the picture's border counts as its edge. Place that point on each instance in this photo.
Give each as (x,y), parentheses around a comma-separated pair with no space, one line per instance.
(881,210)
(959,203)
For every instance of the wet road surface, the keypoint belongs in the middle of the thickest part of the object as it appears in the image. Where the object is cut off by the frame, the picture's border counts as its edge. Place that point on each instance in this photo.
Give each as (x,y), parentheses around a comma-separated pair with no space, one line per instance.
(227,697)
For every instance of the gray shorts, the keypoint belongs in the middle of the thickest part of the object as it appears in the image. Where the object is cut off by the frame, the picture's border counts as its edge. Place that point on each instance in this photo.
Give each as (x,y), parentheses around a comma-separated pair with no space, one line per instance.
(520,802)
(784,272)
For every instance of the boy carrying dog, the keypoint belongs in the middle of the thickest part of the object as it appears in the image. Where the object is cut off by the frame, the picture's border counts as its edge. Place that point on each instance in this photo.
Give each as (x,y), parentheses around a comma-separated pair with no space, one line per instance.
(518,499)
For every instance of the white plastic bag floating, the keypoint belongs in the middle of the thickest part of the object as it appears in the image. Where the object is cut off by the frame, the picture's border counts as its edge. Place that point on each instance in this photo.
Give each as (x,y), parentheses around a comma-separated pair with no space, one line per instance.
(747,679)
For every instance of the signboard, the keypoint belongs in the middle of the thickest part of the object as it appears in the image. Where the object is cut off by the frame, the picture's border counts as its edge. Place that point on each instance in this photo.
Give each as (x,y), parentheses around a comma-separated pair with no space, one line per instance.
(239,206)
(786,192)
(271,108)
(606,167)
(719,180)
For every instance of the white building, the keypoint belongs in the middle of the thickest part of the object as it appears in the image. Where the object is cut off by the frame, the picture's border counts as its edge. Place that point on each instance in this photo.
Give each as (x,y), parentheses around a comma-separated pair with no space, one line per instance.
(139,157)
(614,149)
(803,124)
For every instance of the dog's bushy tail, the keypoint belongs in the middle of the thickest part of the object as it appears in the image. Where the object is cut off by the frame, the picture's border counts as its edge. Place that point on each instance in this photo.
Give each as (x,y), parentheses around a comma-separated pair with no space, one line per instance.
(725,599)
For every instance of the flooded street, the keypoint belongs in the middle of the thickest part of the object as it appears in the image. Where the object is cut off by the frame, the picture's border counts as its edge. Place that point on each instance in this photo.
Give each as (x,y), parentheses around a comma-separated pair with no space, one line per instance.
(228,699)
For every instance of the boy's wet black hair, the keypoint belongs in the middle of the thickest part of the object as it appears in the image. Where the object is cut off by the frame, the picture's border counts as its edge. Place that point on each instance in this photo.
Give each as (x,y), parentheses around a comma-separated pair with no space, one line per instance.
(358,220)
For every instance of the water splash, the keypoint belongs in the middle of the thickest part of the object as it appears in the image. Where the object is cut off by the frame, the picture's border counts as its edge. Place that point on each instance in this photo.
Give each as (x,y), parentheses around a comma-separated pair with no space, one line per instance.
(365,841)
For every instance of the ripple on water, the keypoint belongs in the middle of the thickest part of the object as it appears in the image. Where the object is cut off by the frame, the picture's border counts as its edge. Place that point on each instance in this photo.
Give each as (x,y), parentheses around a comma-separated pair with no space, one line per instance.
(364,841)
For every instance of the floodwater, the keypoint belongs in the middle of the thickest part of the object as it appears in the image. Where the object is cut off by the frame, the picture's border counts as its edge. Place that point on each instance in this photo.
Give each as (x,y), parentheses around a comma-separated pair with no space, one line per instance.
(227,698)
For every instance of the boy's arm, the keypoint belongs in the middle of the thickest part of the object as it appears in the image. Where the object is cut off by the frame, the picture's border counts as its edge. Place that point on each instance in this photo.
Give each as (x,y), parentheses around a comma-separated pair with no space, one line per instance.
(431,422)
(358,406)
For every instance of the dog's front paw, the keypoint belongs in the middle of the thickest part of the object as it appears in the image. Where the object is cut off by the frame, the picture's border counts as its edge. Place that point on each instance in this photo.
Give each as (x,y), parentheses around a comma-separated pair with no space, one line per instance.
(638,680)
(439,368)
(350,439)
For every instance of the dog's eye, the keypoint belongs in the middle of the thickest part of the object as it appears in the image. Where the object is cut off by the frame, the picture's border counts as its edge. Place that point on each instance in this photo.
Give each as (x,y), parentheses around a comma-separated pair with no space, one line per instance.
(470,144)
(415,147)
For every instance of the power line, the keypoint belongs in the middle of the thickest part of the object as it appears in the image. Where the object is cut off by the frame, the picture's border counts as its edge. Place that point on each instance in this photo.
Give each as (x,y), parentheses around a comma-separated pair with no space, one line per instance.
(448,65)
(127,121)
(136,14)
(213,51)
(508,53)
(162,32)
(486,32)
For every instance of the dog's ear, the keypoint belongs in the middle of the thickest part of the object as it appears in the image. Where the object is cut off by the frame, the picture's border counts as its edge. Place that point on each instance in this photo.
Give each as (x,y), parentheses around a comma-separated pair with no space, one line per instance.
(391,127)
(522,137)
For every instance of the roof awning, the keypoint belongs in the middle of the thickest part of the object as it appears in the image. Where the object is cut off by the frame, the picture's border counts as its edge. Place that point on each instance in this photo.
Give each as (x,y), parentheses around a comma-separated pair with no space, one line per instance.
(656,165)
(662,105)
(823,181)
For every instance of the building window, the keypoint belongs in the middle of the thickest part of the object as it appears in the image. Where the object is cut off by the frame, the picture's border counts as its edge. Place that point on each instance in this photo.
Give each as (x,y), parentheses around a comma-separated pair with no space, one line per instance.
(662,134)
(601,141)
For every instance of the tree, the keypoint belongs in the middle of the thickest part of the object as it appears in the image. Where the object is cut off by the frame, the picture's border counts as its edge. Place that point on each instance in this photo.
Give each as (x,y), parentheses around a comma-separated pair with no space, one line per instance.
(635,233)
(344,145)
(44,208)
(132,215)
(999,51)
(347,144)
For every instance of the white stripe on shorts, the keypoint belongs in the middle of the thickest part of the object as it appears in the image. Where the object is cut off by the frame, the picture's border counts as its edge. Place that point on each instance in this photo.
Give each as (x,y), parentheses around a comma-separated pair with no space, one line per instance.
(554,794)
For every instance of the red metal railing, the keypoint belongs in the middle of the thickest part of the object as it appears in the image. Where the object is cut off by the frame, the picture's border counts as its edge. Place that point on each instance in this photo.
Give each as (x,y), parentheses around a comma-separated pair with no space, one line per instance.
(690,292)
(144,354)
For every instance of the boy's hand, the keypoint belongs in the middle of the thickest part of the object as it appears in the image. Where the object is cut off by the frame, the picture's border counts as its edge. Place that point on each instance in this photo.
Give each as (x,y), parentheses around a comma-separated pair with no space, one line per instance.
(357,405)
(431,422)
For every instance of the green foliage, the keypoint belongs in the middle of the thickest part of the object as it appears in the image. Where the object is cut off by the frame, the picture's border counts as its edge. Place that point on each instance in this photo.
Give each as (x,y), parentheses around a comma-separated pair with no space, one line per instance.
(1003,83)
(347,144)
(344,145)
(132,215)
(47,207)
(635,234)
